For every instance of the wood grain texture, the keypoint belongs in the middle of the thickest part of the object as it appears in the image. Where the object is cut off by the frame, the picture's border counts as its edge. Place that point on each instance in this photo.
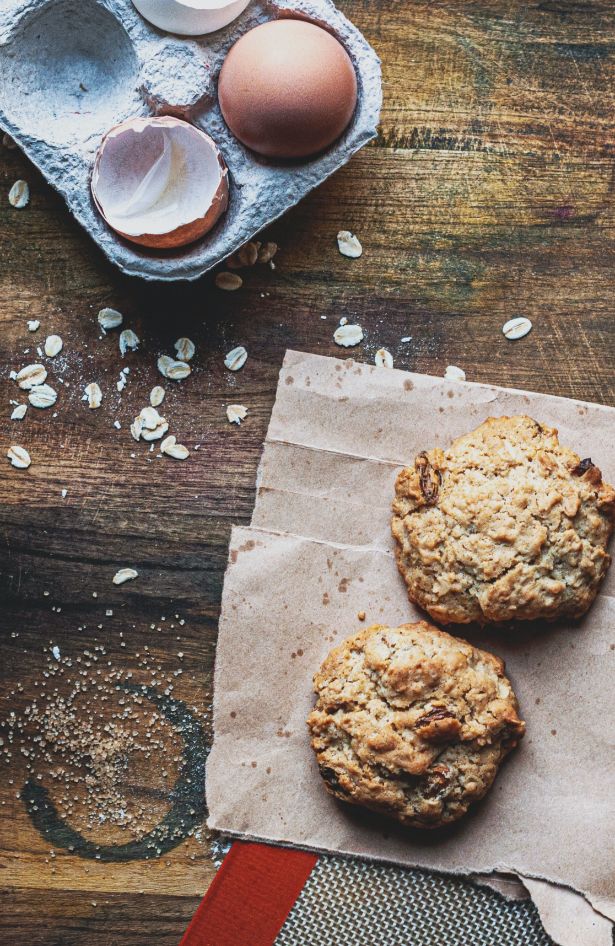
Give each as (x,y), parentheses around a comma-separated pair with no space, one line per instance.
(488,194)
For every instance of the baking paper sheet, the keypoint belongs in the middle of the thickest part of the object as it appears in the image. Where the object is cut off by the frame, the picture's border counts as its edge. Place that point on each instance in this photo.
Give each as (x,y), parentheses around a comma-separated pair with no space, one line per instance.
(319,552)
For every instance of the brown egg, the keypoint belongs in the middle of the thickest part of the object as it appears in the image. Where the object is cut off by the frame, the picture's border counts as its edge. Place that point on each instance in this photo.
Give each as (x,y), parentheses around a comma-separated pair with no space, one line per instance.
(287,89)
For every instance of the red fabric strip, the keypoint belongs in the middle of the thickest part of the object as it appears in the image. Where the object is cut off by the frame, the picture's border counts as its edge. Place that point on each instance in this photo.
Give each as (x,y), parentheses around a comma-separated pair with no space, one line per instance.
(250,896)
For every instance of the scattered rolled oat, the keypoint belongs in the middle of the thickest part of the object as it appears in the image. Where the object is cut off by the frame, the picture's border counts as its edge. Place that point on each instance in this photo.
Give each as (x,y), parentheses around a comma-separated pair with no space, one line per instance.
(348,244)
(149,425)
(236,413)
(348,335)
(33,325)
(30,376)
(94,395)
(228,281)
(43,395)
(125,574)
(150,418)
(53,345)
(157,433)
(171,448)
(517,328)
(246,255)
(128,340)
(178,370)
(163,363)
(383,358)
(19,457)
(185,349)
(453,373)
(266,252)
(175,370)
(109,318)
(19,412)
(236,358)
(135,429)
(19,195)
(156,396)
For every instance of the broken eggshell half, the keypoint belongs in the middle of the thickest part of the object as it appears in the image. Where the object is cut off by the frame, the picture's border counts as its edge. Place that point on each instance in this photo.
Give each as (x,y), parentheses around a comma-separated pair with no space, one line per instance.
(159,182)
(190,17)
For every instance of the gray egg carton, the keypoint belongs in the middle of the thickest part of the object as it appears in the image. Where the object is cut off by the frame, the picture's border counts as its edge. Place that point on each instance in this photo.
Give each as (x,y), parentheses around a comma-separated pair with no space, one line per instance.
(71,69)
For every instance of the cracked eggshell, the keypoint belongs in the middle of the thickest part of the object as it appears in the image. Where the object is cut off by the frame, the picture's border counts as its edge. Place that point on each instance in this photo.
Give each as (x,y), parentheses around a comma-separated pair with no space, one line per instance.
(159,182)
(190,17)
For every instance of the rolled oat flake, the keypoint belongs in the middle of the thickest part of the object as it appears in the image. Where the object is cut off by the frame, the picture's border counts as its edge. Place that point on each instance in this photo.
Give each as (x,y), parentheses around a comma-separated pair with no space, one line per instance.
(517,328)
(19,195)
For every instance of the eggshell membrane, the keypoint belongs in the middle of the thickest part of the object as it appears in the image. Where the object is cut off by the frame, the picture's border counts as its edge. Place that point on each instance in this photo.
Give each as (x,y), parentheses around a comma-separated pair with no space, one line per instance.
(287,89)
(159,182)
(190,17)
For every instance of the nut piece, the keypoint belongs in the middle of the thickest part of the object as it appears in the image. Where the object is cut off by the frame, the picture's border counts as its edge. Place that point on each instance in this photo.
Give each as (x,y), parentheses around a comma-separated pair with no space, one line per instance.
(348,335)
(172,448)
(33,325)
(19,195)
(453,373)
(236,413)
(109,318)
(128,340)
(156,396)
(236,358)
(94,395)
(430,479)
(125,574)
(19,412)
(383,358)
(19,457)
(228,281)
(30,376)
(185,349)
(43,395)
(348,244)
(517,328)
(53,345)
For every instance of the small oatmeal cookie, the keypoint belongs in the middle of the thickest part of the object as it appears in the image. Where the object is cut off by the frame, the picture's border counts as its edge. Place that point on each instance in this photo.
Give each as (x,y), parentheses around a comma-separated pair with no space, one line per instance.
(506,524)
(412,722)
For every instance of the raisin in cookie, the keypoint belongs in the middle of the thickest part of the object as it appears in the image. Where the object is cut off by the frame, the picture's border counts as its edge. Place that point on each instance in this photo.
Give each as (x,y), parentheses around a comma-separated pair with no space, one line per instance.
(412,722)
(504,525)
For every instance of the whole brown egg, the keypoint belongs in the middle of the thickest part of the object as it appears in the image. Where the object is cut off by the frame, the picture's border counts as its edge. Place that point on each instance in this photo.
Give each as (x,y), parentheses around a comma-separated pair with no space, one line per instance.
(287,89)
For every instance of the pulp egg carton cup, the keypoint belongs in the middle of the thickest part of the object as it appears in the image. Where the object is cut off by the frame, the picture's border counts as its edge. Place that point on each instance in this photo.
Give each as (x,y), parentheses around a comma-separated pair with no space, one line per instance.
(72,69)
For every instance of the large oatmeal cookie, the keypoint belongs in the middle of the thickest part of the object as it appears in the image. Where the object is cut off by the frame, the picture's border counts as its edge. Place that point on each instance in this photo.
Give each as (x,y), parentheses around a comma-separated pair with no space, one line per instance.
(412,722)
(505,524)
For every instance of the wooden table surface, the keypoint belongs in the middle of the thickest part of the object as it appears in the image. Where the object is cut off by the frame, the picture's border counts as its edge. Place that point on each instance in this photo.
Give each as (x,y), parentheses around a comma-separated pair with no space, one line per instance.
(489,194)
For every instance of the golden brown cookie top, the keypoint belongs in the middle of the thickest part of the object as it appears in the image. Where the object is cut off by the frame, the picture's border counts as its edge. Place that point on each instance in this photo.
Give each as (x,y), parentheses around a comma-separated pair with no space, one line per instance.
(506,524)
(412,722)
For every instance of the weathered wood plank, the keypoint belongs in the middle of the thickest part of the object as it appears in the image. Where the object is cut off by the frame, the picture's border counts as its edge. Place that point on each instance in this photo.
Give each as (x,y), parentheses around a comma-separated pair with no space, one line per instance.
(489,193)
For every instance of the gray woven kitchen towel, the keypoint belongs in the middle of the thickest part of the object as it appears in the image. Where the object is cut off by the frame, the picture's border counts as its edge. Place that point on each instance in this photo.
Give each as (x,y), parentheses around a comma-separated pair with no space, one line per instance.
(354,903)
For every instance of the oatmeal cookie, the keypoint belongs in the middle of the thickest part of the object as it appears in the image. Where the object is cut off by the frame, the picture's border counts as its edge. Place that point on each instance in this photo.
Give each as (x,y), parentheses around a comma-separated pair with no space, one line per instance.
(506,524)
(412,722)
